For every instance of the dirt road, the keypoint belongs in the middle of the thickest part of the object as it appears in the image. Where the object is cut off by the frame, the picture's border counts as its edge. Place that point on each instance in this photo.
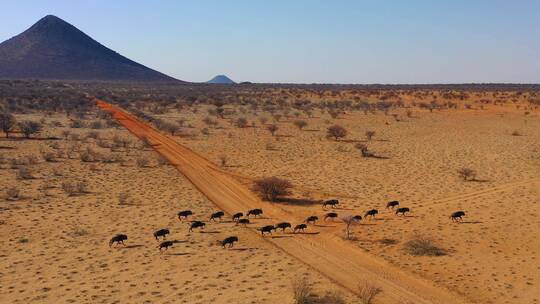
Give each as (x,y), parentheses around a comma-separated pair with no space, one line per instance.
(324,251)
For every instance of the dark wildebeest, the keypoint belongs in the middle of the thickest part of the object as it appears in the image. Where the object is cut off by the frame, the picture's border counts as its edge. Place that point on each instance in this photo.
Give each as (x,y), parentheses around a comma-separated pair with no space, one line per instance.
(300,227)
(392,204)
(333,203)
(267,228)
(243,222)
(255,212)
(312,219)
(402,211)
(165,245)
(457,215)
(237,216)
(184,214)
(161,232)
(357,218)
(196,224)
(118,239)
(230,240)
(331,215)
(217,215)
(283,226)
(371,212)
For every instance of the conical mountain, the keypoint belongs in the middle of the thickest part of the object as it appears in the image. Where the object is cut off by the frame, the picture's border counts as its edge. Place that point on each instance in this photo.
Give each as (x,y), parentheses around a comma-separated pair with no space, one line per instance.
(56,50)
(221,79)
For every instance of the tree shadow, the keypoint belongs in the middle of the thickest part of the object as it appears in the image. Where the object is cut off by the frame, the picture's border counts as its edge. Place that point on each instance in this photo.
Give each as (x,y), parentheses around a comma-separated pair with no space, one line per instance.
(471,222)
(130,246)
(297,201)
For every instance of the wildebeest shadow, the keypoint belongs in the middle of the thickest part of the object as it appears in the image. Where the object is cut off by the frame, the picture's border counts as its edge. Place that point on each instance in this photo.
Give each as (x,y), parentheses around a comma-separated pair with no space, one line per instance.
(471,222)
(308,233)
(366,224)
(178,241)
(244,249)
(297,201)
(210,232)
(480,180)
(325,226)
(280,236)
(131,246)
(179,253)
(311,130)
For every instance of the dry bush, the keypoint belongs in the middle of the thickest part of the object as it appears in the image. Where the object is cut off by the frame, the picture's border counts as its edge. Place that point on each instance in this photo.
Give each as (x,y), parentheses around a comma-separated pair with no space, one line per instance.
(301,291)
(89,155)
(162,161)
(29,127)
(300,124)
(24,173)
(142,162)
(332,297)
(367,292)
(420,245)
(123,198)
(93,135)
(49,156)
(75,188)
(241,122)
(369,134)
(223,160)
(270,188)
(272,129)
(13,193)
(336,131)
(467,174)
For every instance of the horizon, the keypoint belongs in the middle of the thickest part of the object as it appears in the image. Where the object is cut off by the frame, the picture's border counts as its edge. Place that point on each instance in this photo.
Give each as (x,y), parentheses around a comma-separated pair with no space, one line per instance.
(311,44)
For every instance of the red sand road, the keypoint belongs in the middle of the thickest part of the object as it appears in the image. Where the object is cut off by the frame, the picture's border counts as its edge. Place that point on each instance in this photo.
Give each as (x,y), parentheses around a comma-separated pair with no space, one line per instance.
(325,252)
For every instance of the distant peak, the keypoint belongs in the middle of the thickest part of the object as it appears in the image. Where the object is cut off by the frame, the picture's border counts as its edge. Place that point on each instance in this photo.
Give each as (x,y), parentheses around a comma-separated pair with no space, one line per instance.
(221,79)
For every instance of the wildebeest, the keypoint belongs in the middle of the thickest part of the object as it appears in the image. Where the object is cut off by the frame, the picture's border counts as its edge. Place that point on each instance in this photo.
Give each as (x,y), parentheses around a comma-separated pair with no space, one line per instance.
(118,239)
(402,211)
(267,228)
(230,240)
(196,224)
(457,215)
(283,226)
(161,232)
(371,212)
(217,215)
(300,227)
(331,215)
(165,245)
(357,218)
(312,219)
(237,216)
(392,204)
(184,214)
(243,221)
(333,203)
(255,212)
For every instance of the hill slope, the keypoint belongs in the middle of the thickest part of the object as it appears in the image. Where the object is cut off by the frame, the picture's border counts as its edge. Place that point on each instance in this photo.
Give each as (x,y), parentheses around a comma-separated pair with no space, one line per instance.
(55,49)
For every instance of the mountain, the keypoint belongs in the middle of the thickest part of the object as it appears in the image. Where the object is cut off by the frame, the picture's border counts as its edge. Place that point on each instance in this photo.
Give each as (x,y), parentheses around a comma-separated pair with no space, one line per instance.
(56,50)
(222,79)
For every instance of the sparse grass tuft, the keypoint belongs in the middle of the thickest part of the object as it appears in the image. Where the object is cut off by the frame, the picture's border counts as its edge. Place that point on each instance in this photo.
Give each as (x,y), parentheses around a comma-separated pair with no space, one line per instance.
(367,292)
(423,246)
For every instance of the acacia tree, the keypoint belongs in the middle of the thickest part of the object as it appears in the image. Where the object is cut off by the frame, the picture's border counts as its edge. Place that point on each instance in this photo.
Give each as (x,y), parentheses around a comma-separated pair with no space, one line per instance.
(370,134)
(29,127)
(349,220)
(336,131)
(7,123)
(467,174)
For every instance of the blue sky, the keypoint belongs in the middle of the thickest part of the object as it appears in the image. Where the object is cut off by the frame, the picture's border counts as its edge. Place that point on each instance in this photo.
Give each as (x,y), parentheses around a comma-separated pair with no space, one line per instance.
(333,41)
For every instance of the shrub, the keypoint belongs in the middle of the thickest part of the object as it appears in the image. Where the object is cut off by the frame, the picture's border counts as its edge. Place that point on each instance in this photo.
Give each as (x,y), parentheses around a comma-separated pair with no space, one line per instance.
(272,129)
(336,131)
(142,162)
(13,193)
(49,156)
(241,122)
(300,124)
(422,246)
(370,134)
(123,198)
(75,188)
(467,174)
(89,155)
(367,292)
(301,291)
(270,188)
(24,173)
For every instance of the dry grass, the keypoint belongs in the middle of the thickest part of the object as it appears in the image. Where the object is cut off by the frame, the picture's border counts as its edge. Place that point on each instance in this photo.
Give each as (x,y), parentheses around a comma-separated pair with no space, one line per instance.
(420,245)
(367,292)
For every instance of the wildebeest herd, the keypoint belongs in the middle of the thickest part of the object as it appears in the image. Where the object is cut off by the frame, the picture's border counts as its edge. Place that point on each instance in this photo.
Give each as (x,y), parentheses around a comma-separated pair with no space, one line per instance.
(239,219)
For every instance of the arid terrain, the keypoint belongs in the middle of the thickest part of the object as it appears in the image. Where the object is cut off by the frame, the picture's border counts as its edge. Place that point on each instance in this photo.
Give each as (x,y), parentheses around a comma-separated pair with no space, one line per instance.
(84,178)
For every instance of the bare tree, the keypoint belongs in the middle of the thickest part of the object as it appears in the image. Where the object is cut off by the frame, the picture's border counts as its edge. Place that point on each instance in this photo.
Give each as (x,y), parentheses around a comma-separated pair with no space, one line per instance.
(349,220)
(467,174)
(336,131)
(241,122)
(7,123)
(369,135)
